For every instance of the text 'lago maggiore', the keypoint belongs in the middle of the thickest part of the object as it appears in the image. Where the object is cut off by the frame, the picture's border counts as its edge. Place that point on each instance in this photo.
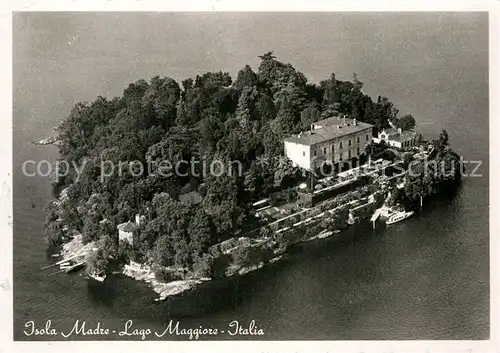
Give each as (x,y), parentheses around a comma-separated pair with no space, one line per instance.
(172,329)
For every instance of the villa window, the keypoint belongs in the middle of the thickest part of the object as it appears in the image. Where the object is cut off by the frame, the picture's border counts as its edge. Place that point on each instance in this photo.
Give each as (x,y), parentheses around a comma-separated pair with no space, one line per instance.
(303,153)
(349,154)
(366,137)
(358,150)
(357,139)
(341,145)
(333,147)
(349,142)
(324,150)
(314,153)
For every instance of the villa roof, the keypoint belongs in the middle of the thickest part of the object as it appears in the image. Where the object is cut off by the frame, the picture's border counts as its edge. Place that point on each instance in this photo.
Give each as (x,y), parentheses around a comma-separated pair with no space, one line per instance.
(328,129)
(127,226)
(391,131)
(402,136)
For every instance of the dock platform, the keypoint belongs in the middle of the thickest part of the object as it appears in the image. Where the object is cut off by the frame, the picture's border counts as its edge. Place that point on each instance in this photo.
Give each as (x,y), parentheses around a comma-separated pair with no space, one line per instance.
(376,215)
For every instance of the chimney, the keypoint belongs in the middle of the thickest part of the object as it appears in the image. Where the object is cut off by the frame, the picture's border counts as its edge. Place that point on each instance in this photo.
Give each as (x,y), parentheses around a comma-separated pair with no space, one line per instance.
(400,130)
(344,119)
(299,135)
(354,122)
(312,127)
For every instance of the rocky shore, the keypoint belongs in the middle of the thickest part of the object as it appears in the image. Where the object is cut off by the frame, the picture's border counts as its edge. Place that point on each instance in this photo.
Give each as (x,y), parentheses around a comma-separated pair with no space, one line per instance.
(144,273)
(47,141)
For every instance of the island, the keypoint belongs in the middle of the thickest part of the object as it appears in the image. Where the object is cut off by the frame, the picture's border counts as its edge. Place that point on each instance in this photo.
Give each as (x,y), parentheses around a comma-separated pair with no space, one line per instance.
(176,184)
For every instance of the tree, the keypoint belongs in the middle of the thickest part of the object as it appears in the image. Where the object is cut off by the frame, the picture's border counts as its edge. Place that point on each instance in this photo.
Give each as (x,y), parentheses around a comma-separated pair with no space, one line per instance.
(285,174)
(242,256)
(443,138)
(221,203)
(267,67)
(271,140)
(163,252)
(284,122)
(97,262)
(246,78)
(265,232)
(406,122)
(54,234)
(125,252)
(90,229)
(407,158)
(211,130)
(310,115)
(202,266)
(358,85)
(265,107)
(329,88)
(161,98)
(181,248)
(245,111)
(259,179)
(200,235)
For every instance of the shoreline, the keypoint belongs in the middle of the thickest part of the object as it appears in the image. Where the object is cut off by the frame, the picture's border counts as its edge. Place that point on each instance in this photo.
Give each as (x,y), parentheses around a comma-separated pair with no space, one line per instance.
(144,273)
(311,219)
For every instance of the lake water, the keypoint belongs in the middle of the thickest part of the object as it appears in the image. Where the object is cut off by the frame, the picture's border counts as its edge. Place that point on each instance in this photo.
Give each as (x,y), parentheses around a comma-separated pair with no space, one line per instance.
(424,278)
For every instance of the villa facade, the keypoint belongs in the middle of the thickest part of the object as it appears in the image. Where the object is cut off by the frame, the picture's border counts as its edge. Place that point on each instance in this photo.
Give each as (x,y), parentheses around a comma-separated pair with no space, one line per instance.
(335,141)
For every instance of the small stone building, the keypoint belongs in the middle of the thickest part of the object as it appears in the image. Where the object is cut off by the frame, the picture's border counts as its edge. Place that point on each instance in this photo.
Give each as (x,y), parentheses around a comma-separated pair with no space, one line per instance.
(125,232)
(397,138)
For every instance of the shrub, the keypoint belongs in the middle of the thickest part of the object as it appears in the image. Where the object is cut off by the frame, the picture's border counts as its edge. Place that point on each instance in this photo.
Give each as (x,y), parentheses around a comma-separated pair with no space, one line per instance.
(54,234)
(125,252)
(290,195)
(164,275)
(241,256)
(265,232)
(202,266)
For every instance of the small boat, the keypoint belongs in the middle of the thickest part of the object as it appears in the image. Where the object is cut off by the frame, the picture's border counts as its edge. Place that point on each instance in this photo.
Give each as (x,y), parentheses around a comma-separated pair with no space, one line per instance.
(399,216)
(274,259)
(323,235)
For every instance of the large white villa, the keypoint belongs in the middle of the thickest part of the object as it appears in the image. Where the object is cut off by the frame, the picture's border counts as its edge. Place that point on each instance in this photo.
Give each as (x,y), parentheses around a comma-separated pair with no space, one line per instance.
(337,141)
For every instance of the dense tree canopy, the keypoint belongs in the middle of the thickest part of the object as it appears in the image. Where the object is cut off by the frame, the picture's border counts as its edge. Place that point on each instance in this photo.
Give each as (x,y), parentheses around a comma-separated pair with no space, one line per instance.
(209,117)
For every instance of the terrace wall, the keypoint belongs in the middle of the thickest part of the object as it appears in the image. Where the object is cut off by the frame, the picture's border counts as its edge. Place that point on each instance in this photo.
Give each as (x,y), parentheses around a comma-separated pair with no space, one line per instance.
(310,200)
